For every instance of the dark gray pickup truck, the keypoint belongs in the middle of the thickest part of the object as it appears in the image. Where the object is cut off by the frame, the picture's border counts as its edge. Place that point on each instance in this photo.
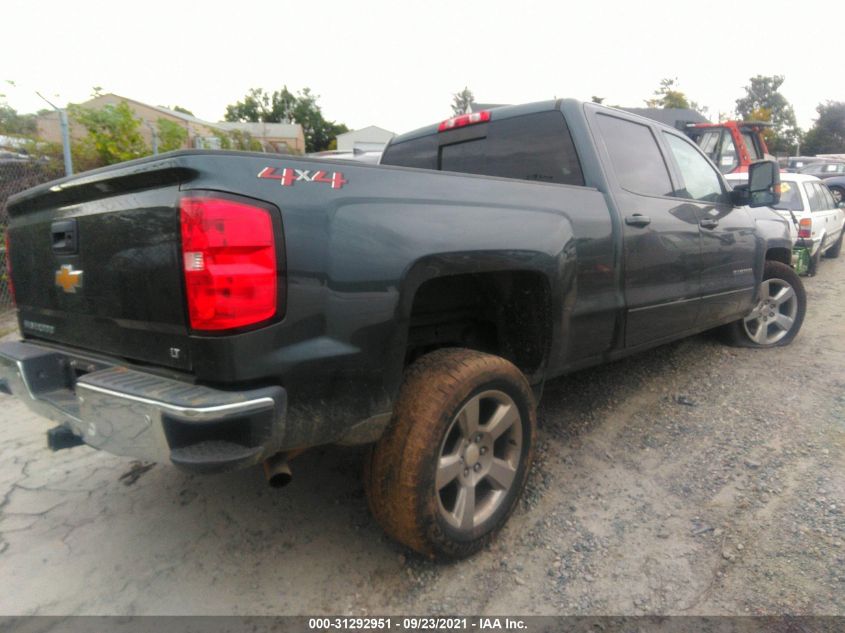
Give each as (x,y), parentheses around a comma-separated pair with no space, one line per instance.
(217,310)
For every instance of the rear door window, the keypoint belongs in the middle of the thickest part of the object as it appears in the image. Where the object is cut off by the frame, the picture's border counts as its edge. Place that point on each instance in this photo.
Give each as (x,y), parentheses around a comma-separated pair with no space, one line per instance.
(813,196)
(635,156)
(827,197)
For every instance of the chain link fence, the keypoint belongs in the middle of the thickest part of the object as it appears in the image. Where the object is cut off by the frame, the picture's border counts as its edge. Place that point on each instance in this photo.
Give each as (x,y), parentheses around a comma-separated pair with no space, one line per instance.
(17,174)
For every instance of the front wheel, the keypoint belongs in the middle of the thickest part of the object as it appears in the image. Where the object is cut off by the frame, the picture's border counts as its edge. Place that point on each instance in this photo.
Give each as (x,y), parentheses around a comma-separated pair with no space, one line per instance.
(779,313)
(450,468)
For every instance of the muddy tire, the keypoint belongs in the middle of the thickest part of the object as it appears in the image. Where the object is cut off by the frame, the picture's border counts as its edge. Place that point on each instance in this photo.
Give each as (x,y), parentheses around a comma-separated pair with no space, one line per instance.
(779,313)
(450,468)
(833,251)
(815,260)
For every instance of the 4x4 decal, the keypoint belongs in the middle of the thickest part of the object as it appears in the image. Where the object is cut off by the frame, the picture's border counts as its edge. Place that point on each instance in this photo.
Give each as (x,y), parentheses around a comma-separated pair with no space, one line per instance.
(287,176)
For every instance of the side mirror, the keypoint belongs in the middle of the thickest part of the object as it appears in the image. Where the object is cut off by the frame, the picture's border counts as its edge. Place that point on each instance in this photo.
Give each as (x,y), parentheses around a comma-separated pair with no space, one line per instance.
(841,205)
(763,184)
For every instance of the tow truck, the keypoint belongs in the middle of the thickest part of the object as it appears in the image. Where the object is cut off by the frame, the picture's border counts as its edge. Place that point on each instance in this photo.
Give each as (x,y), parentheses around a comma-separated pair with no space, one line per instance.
(731,145)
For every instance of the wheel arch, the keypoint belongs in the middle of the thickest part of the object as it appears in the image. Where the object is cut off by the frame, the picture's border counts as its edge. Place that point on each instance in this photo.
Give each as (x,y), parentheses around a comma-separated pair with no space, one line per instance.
(780,254)
(529,276)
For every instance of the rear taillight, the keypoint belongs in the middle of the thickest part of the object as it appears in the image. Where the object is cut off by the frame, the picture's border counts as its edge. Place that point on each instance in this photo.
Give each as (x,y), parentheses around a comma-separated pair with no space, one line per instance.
(9,271)
(229,258)
(464,120)
(805,227)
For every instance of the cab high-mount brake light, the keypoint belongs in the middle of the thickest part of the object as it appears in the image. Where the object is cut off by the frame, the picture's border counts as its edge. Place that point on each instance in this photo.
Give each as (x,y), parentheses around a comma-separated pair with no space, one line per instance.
(463,120)
(229,260)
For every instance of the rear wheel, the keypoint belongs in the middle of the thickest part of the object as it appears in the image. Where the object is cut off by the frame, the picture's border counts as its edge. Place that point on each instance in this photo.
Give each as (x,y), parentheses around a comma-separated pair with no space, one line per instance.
(448,472)
(779,313)
(815,260)
(833,251)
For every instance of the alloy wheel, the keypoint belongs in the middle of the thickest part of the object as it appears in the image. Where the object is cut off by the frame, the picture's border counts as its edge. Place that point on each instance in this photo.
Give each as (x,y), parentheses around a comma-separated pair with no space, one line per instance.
(774,315)
(479,459)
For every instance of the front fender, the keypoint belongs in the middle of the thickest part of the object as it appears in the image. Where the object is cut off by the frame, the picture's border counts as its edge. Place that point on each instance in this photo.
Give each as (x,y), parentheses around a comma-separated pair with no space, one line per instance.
(773,233)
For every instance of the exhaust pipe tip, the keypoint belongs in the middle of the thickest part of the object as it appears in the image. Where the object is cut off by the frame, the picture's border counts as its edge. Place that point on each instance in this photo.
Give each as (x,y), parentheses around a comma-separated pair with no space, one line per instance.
(277,471)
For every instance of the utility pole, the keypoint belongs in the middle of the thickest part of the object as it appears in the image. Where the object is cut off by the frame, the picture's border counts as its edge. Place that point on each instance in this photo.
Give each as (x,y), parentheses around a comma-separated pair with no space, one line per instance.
(65,135)
(154,133)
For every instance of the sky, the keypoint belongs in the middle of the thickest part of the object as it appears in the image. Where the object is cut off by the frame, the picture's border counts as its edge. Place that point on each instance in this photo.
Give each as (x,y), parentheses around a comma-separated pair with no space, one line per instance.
(396,64)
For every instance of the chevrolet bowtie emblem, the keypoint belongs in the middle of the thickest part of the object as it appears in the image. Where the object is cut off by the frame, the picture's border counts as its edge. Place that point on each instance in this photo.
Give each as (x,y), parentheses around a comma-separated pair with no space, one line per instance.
(68,279)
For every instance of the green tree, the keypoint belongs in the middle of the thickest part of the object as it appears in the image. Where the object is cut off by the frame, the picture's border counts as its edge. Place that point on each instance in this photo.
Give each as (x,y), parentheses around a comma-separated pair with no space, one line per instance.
(51,156)
(827,136)
(596,99)
(114,134)
(237,139)
(317,131)
(764,92)
(171,135)
(282,106)
(15,124)
(259,105)
(178,108)
(668,96)
(462,101)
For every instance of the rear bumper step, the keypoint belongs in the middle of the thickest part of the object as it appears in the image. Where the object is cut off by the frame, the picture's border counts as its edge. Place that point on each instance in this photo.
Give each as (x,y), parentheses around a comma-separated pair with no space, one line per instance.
(137,414)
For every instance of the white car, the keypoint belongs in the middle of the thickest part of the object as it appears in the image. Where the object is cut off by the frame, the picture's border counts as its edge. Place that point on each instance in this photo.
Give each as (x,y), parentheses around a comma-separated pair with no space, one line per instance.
(807,204)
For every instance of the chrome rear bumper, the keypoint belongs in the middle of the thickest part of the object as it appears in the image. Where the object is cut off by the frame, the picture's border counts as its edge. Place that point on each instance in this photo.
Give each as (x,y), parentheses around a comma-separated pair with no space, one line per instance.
(129,412)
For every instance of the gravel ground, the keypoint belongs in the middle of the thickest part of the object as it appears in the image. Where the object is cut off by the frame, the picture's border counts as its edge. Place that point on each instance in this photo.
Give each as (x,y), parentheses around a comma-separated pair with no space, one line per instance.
(694,479)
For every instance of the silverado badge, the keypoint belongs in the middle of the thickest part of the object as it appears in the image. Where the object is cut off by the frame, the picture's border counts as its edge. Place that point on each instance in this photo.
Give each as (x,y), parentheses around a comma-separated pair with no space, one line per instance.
(68,279)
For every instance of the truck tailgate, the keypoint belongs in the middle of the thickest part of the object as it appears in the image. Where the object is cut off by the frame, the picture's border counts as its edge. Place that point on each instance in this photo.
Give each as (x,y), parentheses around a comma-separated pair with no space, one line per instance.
(96,265)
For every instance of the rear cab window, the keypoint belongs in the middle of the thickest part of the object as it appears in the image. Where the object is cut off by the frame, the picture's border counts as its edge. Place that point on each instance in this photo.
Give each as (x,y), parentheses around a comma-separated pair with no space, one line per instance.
(536,147)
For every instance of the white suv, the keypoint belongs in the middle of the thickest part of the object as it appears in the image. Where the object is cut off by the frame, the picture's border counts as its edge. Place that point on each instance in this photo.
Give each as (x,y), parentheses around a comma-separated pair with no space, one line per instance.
(806,202)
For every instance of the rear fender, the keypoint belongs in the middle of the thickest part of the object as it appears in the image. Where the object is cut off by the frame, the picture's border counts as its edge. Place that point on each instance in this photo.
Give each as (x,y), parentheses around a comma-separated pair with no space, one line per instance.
(557,269)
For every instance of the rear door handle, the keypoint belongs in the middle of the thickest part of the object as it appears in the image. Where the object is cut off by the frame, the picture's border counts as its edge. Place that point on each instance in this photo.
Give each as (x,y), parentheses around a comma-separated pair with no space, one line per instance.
(709,223)
(637,219)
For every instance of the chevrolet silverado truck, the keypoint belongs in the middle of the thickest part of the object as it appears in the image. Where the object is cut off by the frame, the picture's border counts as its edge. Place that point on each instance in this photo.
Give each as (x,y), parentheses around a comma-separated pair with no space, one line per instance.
(218,310)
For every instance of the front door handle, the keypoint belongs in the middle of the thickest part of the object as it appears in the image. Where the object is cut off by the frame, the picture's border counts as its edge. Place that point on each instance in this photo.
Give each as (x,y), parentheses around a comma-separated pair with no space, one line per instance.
(637,219)
(709,223)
